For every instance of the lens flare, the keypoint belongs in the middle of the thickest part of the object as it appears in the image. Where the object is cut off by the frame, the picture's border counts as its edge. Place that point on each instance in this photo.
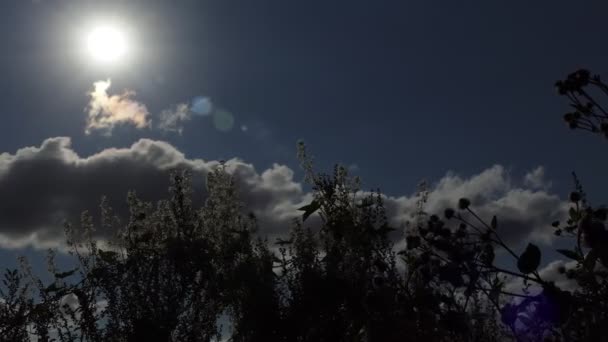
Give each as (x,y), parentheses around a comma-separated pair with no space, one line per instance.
(201,105)
(223,120)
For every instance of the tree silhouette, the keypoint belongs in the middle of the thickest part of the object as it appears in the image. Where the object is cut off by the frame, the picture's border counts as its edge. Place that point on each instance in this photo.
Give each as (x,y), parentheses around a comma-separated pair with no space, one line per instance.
(173,272)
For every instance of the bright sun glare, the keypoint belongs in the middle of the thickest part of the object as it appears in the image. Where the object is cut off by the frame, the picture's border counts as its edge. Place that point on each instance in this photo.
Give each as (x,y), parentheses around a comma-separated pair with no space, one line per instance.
(107,44)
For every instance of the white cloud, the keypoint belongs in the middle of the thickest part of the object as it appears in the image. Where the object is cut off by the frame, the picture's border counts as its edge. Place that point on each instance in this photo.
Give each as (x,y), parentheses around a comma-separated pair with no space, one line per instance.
(172,119)
(42,186)
(536,179)
(106,111)
(522,213)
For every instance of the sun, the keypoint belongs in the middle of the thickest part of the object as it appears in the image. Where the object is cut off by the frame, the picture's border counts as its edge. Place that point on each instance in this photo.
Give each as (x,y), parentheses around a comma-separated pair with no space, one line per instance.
(107,44)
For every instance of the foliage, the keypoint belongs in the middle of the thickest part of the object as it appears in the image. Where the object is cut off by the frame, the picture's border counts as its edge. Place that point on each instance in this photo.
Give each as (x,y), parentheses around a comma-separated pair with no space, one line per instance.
(581,88)
(174,272)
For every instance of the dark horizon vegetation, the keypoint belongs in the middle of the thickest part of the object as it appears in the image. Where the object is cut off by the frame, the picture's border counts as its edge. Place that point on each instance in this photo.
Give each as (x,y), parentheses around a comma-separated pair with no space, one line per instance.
(179,272)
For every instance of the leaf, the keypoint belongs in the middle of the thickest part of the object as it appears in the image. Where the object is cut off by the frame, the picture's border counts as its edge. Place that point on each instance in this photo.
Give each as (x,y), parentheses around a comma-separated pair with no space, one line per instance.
(108,256)
(412,242)
(65,274)
(52,288)
(452,274)
(282,242)
(487,255)
(494,223)
(494,293)
(309,209)
(570,254)
(590,259)
(385,229)
(573,214)
(529,260)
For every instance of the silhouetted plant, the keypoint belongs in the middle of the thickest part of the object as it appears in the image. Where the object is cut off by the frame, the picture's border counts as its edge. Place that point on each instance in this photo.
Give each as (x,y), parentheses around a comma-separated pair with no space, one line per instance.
(173,272)
(340,279)
(589,113)
(15,306)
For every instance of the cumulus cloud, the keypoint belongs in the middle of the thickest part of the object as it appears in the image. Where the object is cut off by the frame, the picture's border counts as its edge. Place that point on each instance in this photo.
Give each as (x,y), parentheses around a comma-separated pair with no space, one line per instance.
(173,119)
(107,111)
(522,213)
(42,186)
(536,179)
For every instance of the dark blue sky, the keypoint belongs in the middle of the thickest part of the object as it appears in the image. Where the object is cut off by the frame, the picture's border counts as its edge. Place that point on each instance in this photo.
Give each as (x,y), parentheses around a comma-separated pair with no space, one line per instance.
(404,89)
